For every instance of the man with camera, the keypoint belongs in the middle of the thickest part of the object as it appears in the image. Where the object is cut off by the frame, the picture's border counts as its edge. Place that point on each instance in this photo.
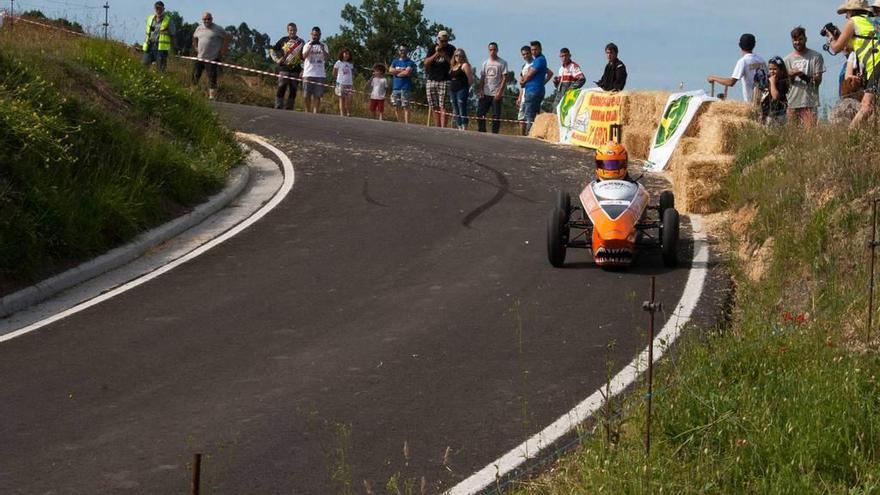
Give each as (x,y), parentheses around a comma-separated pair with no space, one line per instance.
(860,34)
(314,55)
(438,61)
(805,68)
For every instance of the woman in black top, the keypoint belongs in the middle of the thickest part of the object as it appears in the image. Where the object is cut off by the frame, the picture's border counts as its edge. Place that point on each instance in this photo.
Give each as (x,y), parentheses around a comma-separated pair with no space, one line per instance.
(774,98)
(461,76)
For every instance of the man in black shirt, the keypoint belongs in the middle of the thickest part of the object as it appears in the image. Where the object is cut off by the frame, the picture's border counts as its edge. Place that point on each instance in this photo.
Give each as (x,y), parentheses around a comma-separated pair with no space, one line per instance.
(614,77)
(287,53)
(437,64)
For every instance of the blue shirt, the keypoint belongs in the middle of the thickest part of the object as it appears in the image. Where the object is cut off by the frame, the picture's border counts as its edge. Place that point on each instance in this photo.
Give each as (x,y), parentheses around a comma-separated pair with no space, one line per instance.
(536,83)
(404,82)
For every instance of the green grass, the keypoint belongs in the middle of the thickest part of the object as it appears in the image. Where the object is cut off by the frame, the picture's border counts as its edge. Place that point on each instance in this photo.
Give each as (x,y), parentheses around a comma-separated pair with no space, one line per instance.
(93,150)
(784,398)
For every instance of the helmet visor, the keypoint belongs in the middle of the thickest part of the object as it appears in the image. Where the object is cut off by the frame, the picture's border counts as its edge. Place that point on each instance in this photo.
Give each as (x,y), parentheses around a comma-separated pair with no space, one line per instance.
(611,164)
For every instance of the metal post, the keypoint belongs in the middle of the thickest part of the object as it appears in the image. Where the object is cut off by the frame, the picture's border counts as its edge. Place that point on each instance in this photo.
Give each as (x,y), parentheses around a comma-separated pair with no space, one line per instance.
(873,246)
(651,307)
(11,13)
(106,12)
(196,474)
(712,88)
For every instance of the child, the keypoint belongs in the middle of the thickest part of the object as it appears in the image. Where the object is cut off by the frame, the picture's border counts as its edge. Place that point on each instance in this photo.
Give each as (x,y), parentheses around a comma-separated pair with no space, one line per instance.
(343,71)
(378,86)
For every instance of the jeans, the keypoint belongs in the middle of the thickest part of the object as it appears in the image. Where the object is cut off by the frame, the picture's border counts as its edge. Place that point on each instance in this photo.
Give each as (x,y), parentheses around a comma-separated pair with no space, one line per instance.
(459,106)
(284,85)
(532,102)
(486,102)
(158,56)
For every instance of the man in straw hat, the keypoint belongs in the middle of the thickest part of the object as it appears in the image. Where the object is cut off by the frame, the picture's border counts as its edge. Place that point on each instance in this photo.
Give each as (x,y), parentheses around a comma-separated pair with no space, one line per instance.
(861,35)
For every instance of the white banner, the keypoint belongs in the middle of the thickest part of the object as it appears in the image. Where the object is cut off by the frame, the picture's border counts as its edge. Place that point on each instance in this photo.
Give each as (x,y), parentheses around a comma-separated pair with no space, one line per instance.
(680,110)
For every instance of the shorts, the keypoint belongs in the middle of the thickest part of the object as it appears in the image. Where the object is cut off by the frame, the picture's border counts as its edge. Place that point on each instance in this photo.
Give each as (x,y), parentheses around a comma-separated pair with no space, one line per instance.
(436,91)
(343,89)
(377,106)
(313,86)
(401,97)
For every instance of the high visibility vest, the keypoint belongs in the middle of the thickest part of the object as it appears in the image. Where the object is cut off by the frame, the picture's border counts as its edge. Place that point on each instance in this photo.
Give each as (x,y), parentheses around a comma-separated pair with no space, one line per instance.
(865,44)
(164,37)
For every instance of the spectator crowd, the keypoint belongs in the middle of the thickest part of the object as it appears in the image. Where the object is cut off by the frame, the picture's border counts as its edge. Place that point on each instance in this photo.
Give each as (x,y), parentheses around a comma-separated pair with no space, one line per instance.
(783,88)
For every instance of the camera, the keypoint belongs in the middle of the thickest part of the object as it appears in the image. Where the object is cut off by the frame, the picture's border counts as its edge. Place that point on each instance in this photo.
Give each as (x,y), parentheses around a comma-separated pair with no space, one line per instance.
(831,29)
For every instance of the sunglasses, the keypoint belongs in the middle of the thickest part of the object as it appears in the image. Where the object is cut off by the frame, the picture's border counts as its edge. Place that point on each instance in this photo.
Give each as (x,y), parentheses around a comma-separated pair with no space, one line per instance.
(611,164)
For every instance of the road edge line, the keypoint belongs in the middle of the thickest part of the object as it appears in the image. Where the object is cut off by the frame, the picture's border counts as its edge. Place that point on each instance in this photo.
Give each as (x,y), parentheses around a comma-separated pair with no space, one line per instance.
(567,423)
(286,186)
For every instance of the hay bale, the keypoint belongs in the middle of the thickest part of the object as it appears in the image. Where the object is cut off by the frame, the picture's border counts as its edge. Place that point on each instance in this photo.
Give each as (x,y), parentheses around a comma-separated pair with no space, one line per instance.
(638,141)
(545,127)
(642,108)
(697,181)
(728,107)
(718,133)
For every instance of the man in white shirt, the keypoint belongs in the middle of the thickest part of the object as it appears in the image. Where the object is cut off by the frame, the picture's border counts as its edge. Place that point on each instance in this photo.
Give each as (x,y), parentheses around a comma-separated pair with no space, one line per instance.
(314,54)
(750,68)
(493,80)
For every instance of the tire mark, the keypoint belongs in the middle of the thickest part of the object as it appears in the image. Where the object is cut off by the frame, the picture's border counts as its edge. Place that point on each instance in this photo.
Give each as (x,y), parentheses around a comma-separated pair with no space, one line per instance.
(503,190)
(366,193)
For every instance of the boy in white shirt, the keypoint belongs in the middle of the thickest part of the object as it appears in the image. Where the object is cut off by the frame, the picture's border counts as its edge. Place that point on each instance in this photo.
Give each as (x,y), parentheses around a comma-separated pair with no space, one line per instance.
(749,68)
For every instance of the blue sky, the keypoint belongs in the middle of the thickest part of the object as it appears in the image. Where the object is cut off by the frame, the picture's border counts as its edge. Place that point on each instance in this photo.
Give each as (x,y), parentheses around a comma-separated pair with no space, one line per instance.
(663,42)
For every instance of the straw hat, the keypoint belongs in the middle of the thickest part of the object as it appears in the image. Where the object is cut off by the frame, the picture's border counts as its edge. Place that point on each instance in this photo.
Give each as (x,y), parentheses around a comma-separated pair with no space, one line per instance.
(854,6)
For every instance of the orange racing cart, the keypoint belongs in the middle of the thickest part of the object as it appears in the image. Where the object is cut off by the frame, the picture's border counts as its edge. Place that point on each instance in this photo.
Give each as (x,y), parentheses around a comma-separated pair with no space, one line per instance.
(614,221)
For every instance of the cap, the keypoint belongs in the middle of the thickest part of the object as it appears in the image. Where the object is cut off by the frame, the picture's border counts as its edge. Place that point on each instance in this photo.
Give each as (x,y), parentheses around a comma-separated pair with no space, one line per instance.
(443,35)
(160,3)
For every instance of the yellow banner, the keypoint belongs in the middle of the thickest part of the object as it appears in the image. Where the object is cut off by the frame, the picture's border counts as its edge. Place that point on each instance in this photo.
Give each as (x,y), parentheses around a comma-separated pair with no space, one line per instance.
(594,119)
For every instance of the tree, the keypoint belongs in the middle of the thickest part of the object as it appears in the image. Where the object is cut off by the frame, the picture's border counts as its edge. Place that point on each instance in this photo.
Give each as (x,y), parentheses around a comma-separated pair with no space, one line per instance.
(61,22)
(182,42)
(374,30)
(248,47)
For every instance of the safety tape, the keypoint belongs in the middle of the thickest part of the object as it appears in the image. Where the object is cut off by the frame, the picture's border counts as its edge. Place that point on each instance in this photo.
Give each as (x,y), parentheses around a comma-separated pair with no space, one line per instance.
(260,72)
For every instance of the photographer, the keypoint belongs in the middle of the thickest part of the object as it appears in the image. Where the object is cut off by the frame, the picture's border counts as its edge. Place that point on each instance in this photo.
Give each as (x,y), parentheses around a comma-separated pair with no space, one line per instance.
(860,34)
(314,54)
(805,68)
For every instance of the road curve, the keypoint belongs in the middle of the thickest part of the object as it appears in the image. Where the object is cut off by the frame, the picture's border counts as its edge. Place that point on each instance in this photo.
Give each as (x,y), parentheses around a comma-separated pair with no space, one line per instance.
(397,303)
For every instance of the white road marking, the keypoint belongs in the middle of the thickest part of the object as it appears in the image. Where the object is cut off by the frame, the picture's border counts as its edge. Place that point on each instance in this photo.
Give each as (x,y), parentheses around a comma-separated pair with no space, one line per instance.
(279,196)
(530,449)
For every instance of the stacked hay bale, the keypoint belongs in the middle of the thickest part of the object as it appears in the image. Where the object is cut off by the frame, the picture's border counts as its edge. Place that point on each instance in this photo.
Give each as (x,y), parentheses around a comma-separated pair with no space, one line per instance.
(706,154)
(546,127)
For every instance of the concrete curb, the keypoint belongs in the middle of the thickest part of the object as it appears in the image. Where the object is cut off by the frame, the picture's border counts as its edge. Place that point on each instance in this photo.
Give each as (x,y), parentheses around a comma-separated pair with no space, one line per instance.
(235,184)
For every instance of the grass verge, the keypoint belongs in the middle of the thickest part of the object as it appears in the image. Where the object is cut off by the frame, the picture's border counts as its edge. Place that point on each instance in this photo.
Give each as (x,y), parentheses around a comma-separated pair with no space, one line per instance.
(784,398)
(93,150)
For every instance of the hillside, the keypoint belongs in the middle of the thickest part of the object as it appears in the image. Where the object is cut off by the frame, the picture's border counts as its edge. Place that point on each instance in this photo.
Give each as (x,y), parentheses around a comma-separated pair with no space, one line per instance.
(95,149)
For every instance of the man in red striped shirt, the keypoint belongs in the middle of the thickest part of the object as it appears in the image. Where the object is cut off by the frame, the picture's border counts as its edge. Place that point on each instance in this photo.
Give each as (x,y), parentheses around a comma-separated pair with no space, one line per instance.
(569,76)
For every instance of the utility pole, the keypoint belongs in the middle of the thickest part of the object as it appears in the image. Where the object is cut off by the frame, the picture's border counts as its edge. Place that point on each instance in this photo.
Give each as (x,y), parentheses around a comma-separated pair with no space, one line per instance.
(106,11)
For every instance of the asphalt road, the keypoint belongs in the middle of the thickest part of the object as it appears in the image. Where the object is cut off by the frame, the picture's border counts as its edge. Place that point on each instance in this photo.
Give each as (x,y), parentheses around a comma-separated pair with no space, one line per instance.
(397,303)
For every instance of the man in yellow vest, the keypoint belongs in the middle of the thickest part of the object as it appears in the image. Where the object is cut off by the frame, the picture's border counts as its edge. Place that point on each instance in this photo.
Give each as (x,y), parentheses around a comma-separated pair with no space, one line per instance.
(157,42)
(860,34)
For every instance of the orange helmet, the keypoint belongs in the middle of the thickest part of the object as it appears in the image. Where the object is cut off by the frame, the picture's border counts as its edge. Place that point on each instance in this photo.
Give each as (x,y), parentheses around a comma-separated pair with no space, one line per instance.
(611,161)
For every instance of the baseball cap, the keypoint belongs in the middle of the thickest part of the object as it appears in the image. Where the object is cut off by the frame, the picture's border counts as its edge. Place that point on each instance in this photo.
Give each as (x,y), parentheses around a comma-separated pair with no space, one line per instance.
(443,34)
(159,4)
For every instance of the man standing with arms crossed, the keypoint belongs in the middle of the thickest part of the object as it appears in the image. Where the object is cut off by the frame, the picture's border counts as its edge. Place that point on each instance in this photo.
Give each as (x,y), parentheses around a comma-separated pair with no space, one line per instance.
(570,76)
(287,53)
(157,43)
(493,80)
(533,84)
(437,64)
(315,56)
(403,69)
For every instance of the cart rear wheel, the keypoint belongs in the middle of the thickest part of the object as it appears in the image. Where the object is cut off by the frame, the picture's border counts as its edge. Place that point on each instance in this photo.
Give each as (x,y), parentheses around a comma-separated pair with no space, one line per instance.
(669,237)
(667,201)
(557,237)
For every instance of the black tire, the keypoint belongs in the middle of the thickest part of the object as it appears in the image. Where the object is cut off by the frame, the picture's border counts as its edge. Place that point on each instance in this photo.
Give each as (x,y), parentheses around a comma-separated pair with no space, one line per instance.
(669,237)
(557,237)
(667,201)
(562,200)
